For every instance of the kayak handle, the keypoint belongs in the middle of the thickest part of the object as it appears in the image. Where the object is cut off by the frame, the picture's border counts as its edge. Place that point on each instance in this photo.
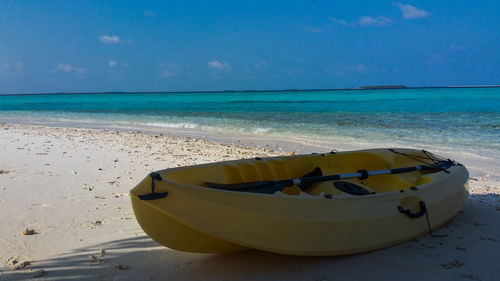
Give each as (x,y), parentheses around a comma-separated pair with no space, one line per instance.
(423,211)
(153,195)
(408,212)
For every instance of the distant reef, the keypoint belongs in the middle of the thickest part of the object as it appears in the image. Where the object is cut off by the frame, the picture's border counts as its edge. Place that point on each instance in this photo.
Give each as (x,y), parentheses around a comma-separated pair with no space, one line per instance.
(383,87)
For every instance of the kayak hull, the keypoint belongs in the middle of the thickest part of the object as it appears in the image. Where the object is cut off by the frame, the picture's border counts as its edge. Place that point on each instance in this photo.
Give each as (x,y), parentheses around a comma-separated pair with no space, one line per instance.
(195,218)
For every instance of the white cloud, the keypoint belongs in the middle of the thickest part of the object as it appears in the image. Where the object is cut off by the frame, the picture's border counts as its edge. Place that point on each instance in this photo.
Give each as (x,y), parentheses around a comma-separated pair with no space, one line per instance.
(113,64)
(64,67)
(169,70)
(260,64)
(314,29)
(411,12)
(363,21)
(358,67)
(339,21)
(379,21)
(437,59)
(340,69)
(69,68)
(106,39)
(7,69)
(217,65)
(333,72)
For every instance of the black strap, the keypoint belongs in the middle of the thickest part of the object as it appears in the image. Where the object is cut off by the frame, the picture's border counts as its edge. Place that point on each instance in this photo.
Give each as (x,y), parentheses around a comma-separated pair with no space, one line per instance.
(408,212)
(153,195)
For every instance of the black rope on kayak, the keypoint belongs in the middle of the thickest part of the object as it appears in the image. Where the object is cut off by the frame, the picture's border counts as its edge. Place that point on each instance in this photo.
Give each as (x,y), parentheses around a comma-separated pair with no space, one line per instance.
(408,213)
(417,158)
(423,211)
(444,159)
(430,230)
(153,195)
(429,156)
(437,161)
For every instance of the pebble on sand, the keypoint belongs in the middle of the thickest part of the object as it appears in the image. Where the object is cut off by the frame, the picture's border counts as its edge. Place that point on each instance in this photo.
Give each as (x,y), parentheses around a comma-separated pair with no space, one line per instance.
(121,266)
(15,264)
(29,231)
(97,258)
(39,273)
(87,187)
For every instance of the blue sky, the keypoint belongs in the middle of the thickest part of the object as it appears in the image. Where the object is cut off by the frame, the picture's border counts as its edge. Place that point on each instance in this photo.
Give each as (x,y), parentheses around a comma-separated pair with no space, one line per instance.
(94,46)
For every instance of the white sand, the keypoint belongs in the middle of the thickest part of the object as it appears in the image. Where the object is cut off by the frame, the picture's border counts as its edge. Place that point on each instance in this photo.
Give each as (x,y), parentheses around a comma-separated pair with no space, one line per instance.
(71,187)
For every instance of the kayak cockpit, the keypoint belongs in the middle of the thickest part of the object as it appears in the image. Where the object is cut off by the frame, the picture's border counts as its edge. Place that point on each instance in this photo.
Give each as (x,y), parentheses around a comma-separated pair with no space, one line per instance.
(292,167)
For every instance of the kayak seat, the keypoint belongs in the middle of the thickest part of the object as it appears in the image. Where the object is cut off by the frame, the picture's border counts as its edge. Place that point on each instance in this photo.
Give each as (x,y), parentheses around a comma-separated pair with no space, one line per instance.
(351,188)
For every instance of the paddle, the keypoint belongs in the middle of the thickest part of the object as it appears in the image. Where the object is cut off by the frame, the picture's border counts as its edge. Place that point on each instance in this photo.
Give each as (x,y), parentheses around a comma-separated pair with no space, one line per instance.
(271,186)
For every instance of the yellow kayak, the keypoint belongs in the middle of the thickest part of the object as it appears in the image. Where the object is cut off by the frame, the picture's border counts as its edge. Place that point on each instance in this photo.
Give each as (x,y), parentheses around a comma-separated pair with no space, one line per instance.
(312,205)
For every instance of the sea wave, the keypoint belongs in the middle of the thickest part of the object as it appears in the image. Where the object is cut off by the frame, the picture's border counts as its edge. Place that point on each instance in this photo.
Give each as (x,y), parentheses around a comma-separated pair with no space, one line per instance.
(261,130)
(172,125)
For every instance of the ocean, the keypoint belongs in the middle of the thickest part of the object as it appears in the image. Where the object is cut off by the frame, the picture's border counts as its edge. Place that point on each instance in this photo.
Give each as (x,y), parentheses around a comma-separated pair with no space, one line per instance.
(464,119)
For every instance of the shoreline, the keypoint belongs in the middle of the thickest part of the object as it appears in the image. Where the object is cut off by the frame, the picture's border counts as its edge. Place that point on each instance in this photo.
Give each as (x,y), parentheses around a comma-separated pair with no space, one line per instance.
(70,185)
(479,164)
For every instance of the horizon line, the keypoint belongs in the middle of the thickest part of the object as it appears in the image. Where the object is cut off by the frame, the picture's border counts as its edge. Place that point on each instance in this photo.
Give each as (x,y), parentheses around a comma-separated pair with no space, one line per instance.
(362,88)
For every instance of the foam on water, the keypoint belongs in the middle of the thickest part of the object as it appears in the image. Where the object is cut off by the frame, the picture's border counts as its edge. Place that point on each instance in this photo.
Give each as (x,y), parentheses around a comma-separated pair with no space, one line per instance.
(261,130)
(169,125)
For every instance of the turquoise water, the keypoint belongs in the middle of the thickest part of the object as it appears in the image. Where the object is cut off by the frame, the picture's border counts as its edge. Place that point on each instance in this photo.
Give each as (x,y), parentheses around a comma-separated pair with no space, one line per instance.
(462,118)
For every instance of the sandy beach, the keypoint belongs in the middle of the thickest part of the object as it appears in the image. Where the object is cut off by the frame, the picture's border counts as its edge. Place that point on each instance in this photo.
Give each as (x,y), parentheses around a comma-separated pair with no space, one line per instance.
(66,214)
